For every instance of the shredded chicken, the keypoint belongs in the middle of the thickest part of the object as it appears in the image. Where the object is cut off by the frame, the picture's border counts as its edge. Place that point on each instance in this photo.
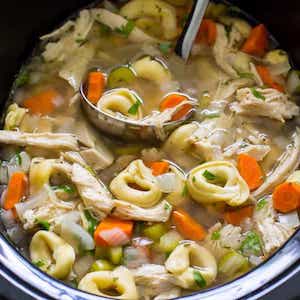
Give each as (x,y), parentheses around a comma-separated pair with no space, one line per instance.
(52,141)
(158,213)
(93,193)
(287,164)
(155,281)
(265,103)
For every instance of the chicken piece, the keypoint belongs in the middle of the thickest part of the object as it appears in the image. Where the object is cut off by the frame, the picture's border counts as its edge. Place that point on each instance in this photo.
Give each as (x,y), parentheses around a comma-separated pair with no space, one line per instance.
(115,21)
(264,103)
(51,141)
(96,159)
(158,213)
(259,152)
(73,157)
(156,281)
(287,163)
(273,233)
(94,194)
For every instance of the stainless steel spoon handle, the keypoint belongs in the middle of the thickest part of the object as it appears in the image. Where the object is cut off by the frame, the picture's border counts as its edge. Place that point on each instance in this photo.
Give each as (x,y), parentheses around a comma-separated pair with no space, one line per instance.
(187,38)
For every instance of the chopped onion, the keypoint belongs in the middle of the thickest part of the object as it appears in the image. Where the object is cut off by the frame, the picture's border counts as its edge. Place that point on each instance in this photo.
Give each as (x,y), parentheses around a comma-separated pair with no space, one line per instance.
(110,6)
(3,174)
(25,161)
(167,182)
(290,219)
(135,257)
(255,260)
(75,235)
(3,191)
(141,241)
(11,169)
(114,237)
(31,203)
(83,265)
(279,69)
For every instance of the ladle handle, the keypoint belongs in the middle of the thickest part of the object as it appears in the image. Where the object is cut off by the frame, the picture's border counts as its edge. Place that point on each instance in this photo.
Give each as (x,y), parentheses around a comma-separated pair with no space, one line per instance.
(187,38)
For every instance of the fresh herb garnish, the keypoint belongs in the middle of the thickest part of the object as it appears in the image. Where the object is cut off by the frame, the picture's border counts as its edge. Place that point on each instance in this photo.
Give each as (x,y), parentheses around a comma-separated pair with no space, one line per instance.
(92,222)
(64,187)
(167,206)
(251,244)
(44,225)
(184,20)
(18,158)
(126,29)
(257,94)
(90,170)
(165,47)
(228,29)
(135,107)
(39,263)
(245,75)
(80,40)
(194,179)
(184,192)
(199,279)
(22,78)
(210,114)
(208,175)
(261,204)
(104,29)
(216,235)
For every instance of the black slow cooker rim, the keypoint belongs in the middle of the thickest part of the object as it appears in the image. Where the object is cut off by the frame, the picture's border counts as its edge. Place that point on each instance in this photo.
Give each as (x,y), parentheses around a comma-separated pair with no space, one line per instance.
(38,293)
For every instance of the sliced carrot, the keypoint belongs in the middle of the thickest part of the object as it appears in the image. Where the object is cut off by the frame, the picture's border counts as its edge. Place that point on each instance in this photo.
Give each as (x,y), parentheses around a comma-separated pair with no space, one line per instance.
(108,224)
(16,190)
(42,103)
(207,33)
(267,79)
(159,167)
(286,197)
(171,101)
(257,43)
(236,217)
(250,170)
(187,226)
(95,86)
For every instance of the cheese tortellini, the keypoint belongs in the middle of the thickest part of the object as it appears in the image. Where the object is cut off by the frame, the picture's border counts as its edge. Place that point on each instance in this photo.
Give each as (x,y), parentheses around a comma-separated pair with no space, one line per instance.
(190,258)
(159,11)
(52,254)
(136,185)
(119,280)
(152,69)
(217,181)
(121,101)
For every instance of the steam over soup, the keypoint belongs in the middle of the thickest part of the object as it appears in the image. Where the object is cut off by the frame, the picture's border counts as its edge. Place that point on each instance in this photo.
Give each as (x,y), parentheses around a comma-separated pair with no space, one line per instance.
(131,220)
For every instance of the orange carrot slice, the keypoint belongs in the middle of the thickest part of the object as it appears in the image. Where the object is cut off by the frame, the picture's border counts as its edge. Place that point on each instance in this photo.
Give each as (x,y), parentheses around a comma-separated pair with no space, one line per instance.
(207,33)
(267,79)
(159,167)
(236,217)
(187,226)
(257,43)
(16,190)
(42,103)
(250,170)
(95,86)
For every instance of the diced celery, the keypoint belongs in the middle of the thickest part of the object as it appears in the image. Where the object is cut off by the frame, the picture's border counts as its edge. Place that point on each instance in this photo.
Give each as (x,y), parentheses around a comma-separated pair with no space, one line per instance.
(101,265)
(154,232)
(120,77)
(169,241)
(233,263)
(101,252)
(115,255)
(128,150)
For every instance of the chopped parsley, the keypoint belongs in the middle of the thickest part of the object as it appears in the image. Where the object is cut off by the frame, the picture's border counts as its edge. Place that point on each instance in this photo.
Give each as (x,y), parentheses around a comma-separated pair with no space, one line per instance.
(184,192)
(92,222)
(251,244)
(39,263)
(216,235)
(200,281)
(183,20)
(245,75)
(261,204)
(64,187)
(257,94)
(194,179)
(126,29)
(90,170)
(19,158)
(135,107)
(44,225)
(165,47)
(23,78)
(167,206)
(104,29)
(228,29)
(208,175)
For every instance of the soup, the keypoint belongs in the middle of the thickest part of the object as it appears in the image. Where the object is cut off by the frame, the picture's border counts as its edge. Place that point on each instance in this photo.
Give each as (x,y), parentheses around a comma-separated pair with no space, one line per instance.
(136,219)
